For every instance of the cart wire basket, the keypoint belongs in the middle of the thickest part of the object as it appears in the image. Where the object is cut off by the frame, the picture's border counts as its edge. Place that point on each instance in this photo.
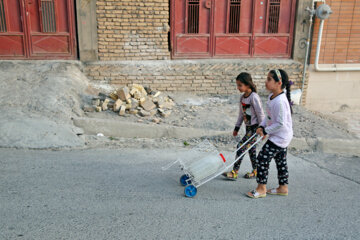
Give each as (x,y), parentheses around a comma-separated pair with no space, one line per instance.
(204,163)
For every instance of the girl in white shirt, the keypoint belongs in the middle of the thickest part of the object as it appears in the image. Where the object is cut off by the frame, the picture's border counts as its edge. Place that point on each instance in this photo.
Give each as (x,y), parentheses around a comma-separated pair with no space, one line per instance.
(278,126)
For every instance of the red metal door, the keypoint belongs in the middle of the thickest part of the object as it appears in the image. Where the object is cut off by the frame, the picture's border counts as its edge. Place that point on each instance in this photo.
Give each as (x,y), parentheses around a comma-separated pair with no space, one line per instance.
(12,33)
(47,28)
(273,28)
(234,28)
(192,26)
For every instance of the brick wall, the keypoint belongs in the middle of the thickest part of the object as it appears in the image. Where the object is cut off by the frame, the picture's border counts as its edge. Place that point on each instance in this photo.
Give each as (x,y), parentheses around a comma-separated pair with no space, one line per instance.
(200,76)
(133,29)
(341,33)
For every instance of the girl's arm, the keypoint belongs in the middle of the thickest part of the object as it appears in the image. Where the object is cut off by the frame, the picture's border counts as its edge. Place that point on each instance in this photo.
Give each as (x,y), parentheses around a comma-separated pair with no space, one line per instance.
(256,102)
(240,117)
(239,121)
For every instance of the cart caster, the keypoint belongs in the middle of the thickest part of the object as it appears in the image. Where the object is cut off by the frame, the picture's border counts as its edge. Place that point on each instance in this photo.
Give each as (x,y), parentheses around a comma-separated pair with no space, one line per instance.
(190,191)
(184,180)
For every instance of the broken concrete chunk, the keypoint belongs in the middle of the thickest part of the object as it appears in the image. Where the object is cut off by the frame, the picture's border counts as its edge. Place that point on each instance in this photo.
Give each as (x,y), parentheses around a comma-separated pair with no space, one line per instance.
(123,93)
(147,104)
(156,120)
(113,96)
(144,113)
(98,109)
(96,102)
(164,113)
(122,110)
(133,111)
(128,106)
(140,88)
(134,103)
(157,94)
(117,105)
(104,105)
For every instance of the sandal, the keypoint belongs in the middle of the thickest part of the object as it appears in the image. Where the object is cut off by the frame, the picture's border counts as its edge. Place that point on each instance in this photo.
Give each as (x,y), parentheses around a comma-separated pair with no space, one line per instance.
(231,175)
(250,175)
(274,191)
(255,194)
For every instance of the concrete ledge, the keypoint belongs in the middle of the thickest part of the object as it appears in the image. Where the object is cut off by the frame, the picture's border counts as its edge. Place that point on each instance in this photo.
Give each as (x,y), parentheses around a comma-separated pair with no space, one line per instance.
(131,130)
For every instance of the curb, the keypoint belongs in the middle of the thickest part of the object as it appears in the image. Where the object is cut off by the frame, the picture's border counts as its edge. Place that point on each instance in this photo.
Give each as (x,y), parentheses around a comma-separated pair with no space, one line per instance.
(328,145)
(139,130)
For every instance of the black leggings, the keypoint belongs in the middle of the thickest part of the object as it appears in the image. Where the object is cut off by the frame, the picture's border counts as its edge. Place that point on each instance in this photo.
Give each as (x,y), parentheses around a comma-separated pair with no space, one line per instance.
(250,130)
(269,151)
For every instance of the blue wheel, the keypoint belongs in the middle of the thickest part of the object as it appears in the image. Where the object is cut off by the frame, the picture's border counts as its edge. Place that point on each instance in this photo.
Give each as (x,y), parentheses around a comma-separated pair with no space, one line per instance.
(190,191)
(184,180)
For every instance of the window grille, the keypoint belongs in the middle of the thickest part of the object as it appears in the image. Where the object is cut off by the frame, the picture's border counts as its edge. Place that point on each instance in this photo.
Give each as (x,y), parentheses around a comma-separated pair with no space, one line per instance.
(193,16)
(2,17)
(234,16)
(48,16)
(274,14)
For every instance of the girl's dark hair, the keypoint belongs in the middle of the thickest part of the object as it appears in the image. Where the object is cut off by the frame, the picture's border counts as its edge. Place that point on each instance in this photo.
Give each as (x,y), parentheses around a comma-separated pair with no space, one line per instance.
(246,79)
(285,83)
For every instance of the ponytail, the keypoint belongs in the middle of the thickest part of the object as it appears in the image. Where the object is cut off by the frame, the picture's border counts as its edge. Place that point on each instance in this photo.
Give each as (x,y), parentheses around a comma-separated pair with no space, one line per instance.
(286,83)
(246,79)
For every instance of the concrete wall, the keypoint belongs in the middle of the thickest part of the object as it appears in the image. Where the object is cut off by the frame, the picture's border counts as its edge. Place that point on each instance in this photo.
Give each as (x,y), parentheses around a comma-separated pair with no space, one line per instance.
(87,30)
(330,91)
(301,30)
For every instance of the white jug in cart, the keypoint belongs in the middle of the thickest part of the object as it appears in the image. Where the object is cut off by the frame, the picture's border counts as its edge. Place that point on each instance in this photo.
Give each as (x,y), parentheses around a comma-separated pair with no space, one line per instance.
(206,166)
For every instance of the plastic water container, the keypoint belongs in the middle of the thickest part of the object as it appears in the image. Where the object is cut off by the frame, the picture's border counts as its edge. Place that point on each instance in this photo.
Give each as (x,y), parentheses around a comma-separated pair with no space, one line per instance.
(206,166)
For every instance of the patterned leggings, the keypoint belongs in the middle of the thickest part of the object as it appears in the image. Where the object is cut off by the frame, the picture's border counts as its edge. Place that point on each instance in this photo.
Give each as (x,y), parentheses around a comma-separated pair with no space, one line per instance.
(250,130)
(269,151)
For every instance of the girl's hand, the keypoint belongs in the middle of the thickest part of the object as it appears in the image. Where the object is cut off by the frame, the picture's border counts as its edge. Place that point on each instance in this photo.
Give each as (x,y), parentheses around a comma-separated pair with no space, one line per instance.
(260,132)
(235,133)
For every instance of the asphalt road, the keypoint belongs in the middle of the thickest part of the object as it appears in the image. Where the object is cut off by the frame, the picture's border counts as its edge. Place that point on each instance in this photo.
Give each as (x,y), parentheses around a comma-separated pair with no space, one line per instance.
(124,194)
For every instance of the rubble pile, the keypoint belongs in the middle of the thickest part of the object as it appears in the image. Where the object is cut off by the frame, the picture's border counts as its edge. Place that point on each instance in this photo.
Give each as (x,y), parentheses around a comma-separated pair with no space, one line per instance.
(136,100)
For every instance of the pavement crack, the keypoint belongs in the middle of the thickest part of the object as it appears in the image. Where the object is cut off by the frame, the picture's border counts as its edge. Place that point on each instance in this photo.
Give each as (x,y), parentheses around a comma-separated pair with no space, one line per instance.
(330,171)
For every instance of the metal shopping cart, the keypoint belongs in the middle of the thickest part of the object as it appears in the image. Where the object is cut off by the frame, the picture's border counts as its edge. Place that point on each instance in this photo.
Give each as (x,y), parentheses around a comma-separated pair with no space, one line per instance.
(204,163)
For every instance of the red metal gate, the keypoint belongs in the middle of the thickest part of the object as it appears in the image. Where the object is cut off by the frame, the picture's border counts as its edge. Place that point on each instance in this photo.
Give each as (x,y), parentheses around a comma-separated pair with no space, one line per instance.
(37,29)
(232,28)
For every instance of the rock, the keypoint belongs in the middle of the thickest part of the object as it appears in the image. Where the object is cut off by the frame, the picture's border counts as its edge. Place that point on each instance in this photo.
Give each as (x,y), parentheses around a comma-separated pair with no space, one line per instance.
(113,96)
(122,110)
(140,88)
(111,105)
(128,106)
(117,105)
(157,94)
(147,104)
(153,112)
(156,120)
(89,109)
(123,93)
(148,90)
(102,96)
(133,111)
(96,102)
(104,105)
(134,103)
(144,113)
(98,109)
(164,113)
